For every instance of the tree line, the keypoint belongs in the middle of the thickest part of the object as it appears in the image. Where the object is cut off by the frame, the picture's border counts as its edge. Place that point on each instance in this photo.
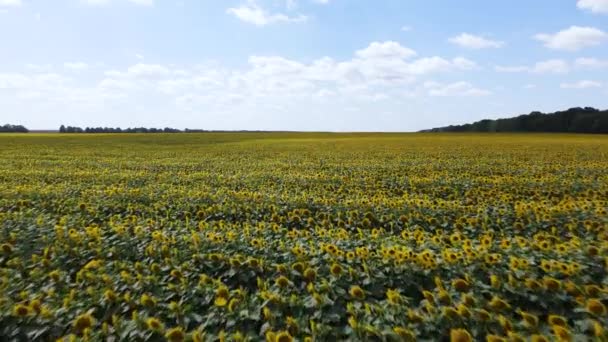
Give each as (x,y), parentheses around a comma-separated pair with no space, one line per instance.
(8,128)
(73,129)
(573,120)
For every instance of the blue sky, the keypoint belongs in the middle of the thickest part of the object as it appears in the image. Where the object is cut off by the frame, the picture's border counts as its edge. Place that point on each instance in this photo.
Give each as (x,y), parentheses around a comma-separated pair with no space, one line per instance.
(337,65)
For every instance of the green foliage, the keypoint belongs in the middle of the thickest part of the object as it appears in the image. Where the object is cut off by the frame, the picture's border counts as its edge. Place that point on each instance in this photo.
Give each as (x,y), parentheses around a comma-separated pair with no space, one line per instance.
(13,129)
(573,120)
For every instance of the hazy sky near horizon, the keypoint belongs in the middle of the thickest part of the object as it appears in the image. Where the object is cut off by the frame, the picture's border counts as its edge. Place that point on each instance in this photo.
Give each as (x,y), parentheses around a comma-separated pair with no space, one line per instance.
(336,65)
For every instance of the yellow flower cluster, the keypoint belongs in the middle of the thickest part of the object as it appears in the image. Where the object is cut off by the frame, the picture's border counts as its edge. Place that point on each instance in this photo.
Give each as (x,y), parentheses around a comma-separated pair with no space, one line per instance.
(304,236)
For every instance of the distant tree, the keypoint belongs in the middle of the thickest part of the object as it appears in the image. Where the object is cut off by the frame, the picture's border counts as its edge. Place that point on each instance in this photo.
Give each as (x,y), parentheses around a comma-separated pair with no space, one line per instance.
(8,128)
(71,129)
(573,120)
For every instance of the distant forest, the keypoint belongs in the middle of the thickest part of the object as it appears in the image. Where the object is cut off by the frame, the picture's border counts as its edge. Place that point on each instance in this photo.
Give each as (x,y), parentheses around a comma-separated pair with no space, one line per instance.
(13,129)
(573,120)
(71,129)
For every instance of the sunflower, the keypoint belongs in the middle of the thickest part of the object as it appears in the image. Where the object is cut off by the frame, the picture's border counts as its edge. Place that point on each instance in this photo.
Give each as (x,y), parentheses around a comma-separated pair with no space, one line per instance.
(83,321)
(220,301)
(175,334)
(405,334)
(538,338)
(468,300)
(593,290)
(393,296)
(335,269)
(460,285)
(556,320)
(596,307)
(495,338)
(283,336)
(494,281)
(357,292)
(498,304)
(463,311)
(545,265)
(147,300)
(530,320)
(482,315)
(460,335)
(551,284)
(532,284)
(562,333)
(310,274)
(7,248)
(598,329)
(110,295)
(429,296)
(154,324)
(450,313)
(514,337)
(282,282)
(21,310)
(222,291)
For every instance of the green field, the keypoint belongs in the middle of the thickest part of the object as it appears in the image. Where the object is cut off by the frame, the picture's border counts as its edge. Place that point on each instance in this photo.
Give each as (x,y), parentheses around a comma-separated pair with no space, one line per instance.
(305,236)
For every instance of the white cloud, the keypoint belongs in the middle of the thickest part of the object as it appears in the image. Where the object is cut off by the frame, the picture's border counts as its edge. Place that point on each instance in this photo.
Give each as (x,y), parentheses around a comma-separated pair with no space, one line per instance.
(39,67)
(551,66)
(141,71)
(406,28)
(595,6)
(106,2)
(584,84)
(530,86)
(143,2)
(380,65)
(438,64)
(517,68)
(268,92)
(573,38)
(45,81)
(291,4)
(591,63)
(382,50)
(76,66)
(471,41)
(454,89)
(254,14)
(323,2)
(10,3)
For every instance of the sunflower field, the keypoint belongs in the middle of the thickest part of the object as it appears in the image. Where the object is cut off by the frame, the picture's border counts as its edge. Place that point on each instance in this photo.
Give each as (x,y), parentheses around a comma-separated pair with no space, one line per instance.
(303,237)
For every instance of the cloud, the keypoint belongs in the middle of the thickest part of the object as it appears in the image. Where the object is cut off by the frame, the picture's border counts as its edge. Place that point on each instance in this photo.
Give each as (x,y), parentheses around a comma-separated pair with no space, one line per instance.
(406,28)
(454,89)
(551,66)
(573,39)
(141,71)
(323,2)
(382,50)
(471,41)
(511,69)
(591,63)
(76,66)
(106,2)
(267,92)
(595,6)
(256,15)
(143,2)
(10,3)
(584,84)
